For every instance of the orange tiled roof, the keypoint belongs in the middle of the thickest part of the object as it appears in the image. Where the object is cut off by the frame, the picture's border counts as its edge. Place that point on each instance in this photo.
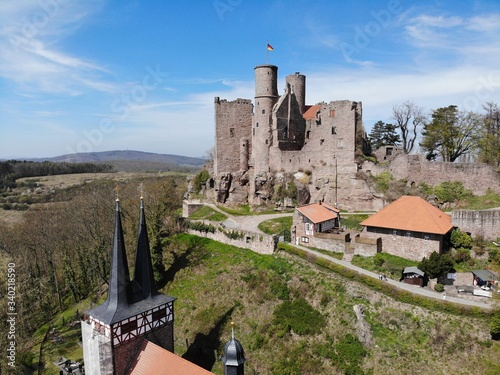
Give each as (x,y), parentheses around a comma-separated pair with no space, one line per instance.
(411,214)
(318,213)
(311,111)
(154,360)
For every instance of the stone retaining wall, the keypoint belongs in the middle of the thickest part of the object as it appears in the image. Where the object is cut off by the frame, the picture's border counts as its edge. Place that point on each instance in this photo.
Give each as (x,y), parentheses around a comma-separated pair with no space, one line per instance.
(258,242)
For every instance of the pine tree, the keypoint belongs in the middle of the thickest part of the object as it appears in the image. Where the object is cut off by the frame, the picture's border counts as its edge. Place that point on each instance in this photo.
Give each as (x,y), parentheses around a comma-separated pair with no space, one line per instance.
(384,134)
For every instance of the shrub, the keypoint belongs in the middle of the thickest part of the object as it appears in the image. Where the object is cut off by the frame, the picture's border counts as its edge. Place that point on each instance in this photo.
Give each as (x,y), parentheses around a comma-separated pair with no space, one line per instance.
(382,181)
(460,239)
(200,179)
(462,256)
(299,316)
(493,255)
(439,288)
(437,265)
(378,260)
(451,191)
(495,326)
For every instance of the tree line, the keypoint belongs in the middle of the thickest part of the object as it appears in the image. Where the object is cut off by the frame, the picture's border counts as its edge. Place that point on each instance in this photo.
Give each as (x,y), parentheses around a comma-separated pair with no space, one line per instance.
(447,134)
(11,170)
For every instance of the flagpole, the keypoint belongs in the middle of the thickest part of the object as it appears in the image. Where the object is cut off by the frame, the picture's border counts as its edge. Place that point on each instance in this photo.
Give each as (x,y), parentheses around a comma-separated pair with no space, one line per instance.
(267,52)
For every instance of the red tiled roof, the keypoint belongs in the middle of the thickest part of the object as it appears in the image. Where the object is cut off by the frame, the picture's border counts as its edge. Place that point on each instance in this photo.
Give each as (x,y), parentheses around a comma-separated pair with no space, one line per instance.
(318,213)
(411,214)
(311,111)
(154,360)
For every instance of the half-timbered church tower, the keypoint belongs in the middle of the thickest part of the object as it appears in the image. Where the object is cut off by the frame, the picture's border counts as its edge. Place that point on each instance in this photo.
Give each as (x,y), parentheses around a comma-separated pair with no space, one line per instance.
(132,332)
(134,310)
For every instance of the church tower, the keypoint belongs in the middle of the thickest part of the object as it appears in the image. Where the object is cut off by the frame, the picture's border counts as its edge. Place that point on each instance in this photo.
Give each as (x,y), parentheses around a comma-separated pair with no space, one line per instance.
(234,357)
(113,332)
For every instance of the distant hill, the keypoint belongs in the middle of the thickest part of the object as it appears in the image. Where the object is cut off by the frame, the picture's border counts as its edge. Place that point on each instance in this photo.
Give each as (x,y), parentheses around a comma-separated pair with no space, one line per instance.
(127,155)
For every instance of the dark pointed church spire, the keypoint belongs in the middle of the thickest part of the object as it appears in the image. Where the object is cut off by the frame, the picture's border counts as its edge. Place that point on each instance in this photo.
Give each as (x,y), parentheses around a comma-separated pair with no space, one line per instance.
(119,289)
(143,273)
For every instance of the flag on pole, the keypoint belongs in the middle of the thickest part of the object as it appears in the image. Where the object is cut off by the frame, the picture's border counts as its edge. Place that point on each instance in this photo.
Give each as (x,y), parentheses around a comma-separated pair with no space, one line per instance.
(269,47)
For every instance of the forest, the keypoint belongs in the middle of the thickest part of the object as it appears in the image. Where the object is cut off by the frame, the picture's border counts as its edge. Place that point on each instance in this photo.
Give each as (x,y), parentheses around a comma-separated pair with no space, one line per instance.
(61,248)
(11,170)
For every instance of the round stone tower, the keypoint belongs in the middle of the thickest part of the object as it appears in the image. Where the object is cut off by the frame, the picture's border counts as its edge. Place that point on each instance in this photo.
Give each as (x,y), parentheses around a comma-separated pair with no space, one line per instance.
(266,95)
(297,83)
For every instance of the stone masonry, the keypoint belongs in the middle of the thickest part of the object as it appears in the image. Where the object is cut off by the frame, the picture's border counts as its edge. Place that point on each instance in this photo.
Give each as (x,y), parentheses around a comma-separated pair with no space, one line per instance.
(257,144)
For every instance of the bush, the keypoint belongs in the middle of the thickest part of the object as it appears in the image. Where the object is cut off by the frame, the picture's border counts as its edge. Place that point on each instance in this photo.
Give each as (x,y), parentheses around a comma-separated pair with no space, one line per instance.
(200,179)
(439,288)
(460,239)
(451,191)
(437,265)
(495,326)
(462,256)
(299,316)
(382,181)
(378,260)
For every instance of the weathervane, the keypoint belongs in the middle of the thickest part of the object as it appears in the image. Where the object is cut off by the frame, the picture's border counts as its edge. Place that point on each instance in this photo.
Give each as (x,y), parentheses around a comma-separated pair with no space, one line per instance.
(141,189)
(117,190)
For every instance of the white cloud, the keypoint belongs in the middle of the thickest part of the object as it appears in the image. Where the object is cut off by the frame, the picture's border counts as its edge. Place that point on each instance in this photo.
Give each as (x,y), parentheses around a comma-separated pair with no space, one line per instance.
(29,53)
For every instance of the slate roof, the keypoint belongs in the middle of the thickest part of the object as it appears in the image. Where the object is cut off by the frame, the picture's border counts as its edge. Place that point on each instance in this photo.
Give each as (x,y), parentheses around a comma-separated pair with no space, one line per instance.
(318,213)
(411,214)
(152,359)
(128,298)
(413,269)
(234,354)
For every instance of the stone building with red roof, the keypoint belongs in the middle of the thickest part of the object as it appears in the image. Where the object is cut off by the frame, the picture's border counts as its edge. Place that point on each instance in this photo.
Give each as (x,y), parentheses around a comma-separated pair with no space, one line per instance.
(318,225)
(410,227)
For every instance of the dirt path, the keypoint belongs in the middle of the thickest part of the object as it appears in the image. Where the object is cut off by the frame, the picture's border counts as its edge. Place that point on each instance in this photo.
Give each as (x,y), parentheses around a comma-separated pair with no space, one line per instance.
(246,222)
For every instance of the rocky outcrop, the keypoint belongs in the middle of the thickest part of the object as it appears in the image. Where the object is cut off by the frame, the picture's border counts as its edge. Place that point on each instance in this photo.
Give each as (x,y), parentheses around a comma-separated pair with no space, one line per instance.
(363,327)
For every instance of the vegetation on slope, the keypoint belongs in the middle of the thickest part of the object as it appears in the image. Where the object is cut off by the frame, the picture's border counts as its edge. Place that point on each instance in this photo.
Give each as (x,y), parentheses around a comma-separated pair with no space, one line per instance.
(262,295)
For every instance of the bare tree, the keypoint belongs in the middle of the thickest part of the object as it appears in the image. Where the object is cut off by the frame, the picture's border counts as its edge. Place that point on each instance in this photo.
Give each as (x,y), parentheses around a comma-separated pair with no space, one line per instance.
(409,119)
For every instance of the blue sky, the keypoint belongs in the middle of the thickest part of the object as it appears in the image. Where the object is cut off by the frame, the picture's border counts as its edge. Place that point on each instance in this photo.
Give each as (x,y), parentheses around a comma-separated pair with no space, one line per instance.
(97,75)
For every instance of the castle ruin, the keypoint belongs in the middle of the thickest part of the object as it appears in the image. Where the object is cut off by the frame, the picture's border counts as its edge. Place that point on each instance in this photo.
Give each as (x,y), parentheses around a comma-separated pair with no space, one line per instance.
(278,148)
(278,142)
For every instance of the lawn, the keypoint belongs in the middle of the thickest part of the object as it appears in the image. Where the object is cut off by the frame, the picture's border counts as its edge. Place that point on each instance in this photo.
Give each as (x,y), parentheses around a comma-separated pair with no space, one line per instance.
(385,264)
(207,213)
(276,226)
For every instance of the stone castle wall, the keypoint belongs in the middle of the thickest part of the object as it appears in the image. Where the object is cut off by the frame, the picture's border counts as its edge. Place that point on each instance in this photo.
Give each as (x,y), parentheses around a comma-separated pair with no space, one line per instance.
(484,223)
(234,125)
(405,247)
(258,242)
(416,169)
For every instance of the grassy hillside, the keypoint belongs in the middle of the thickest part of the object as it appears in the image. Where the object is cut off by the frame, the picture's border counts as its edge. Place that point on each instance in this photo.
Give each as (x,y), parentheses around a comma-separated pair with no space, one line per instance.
(277,301)
(295,318)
